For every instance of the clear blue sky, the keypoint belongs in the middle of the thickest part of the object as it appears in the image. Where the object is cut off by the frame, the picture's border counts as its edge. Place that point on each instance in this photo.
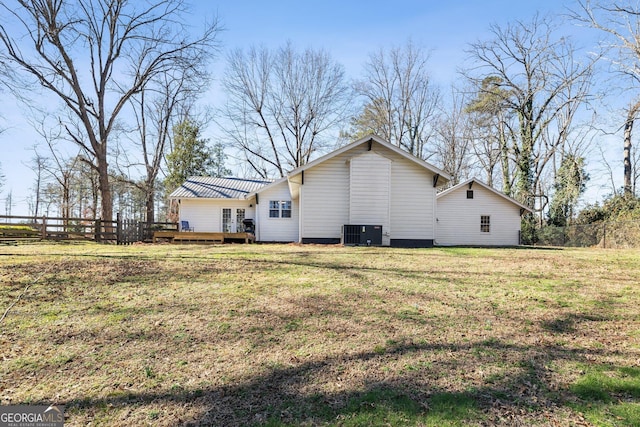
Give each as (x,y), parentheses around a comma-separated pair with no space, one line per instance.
(348,30)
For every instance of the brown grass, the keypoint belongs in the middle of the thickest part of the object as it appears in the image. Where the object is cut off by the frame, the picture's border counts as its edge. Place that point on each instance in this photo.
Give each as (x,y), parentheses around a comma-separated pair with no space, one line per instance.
(314,335)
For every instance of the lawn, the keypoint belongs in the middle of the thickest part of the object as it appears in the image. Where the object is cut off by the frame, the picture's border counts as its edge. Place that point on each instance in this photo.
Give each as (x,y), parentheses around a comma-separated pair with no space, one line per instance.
(321,335)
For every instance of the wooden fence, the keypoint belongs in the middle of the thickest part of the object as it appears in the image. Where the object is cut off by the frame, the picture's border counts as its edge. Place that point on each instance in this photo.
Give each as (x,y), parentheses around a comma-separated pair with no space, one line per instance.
(121,231)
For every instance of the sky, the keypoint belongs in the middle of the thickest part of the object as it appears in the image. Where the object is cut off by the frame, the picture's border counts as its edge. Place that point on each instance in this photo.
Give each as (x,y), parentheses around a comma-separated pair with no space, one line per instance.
(348,30)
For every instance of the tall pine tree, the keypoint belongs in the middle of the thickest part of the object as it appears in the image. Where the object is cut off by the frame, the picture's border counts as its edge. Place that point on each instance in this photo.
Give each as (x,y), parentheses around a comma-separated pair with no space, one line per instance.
(192,156)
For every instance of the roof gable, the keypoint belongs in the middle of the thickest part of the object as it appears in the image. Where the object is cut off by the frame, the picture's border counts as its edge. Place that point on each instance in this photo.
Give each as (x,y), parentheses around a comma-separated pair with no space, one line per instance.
(239,188)
(204,187)
(370,140)
(448,191)
(270,185)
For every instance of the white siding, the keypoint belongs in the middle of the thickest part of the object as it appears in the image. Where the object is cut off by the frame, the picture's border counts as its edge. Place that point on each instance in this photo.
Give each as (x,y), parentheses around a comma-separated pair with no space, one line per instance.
(325,196)
(370,182)
(276,229)
(205,215)
(412,201)
(459,218)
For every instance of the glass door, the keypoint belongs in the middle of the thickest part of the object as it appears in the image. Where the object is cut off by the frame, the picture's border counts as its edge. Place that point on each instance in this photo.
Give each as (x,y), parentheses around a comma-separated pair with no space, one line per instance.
(239,219)
(227,222)
(232,220)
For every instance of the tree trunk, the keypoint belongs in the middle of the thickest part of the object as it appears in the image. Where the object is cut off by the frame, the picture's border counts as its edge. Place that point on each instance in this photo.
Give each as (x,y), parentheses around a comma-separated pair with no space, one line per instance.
(525,188)
(37,202)
(149,204)
(489,168)
(504,160)
(628,128)
(106,197)
(66,199)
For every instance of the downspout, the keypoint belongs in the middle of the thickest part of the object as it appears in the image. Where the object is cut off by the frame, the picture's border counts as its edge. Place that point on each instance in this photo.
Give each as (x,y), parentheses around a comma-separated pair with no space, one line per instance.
(435,215)
(257,215)
(300,209)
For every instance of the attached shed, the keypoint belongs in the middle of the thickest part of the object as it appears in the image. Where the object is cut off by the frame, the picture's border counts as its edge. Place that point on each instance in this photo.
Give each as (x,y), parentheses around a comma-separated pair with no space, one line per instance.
(473,213)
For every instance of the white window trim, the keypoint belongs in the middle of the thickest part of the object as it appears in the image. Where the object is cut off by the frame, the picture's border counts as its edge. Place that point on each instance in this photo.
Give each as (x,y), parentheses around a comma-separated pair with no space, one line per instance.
(489,224)
(278,210)
(281,209)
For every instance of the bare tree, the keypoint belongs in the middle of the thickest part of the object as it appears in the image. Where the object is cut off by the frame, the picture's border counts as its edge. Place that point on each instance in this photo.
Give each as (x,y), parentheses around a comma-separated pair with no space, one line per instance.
(38,165)
(493,137)
(400,98)
(627,157)
(619,20)
(635,173)
(1,178)
(283,105)
(122,44)
(454,141)
(8,203)
(157,108)
(66,180)
(537,81)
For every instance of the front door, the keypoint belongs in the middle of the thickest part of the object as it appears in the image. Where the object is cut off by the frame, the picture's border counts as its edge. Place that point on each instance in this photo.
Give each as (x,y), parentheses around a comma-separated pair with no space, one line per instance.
(232,220)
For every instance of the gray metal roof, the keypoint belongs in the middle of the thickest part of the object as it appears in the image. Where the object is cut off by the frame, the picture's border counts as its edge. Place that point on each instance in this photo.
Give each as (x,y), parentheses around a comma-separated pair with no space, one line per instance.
(217,188)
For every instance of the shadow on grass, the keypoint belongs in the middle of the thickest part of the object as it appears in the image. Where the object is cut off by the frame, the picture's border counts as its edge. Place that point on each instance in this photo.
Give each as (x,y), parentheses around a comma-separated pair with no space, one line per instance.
(268,401)
(569,323)
(281,395)
(277,397)
(607,391)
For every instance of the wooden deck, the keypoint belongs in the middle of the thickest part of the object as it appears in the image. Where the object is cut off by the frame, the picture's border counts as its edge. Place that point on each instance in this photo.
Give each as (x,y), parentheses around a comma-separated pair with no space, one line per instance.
(200,237)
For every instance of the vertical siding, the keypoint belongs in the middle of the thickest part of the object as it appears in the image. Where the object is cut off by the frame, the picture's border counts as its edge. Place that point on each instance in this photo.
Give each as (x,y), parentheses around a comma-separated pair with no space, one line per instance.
(370,182)
(276,229)
(205,215)
(459,218)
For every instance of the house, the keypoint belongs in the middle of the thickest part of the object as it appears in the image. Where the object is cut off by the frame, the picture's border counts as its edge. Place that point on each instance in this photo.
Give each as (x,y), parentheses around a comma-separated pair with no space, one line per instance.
(376,189)
(473,213)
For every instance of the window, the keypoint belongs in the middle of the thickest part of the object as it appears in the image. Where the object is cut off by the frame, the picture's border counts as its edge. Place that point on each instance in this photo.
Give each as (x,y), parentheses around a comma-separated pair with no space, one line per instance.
(485,223)
(286,209)
(469,194)
(280,209)
(274,209)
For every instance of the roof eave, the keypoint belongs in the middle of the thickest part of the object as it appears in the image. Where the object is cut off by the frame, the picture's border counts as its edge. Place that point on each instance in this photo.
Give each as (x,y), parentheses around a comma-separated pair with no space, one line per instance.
(266,187)
(442,174)
(493,190)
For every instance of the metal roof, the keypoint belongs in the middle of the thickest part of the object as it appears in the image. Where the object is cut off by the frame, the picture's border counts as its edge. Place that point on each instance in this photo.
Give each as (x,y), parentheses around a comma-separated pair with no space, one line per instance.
(205,187)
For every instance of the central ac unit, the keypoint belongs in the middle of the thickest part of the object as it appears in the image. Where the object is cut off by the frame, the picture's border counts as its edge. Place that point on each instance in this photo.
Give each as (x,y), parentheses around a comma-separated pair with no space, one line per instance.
(361,235)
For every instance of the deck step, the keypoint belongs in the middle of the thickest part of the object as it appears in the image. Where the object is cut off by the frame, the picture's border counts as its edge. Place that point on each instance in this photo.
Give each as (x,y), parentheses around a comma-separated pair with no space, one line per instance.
(201,237)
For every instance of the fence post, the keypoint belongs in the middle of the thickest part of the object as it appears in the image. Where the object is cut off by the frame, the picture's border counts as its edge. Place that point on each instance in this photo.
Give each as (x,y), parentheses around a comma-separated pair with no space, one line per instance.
(44,227)
(118,228)
(604,235)
(97,230)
